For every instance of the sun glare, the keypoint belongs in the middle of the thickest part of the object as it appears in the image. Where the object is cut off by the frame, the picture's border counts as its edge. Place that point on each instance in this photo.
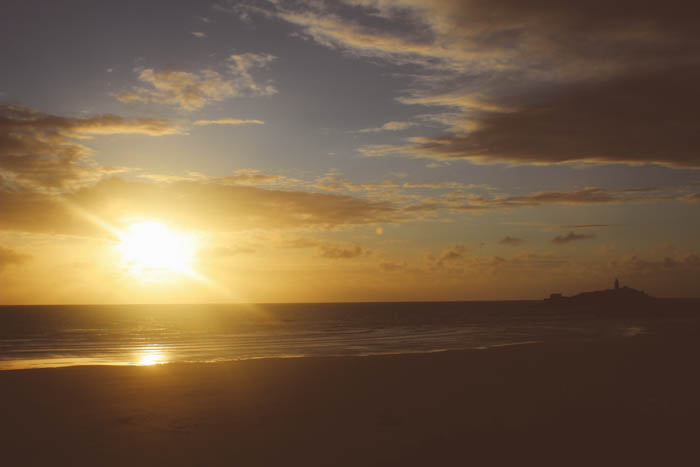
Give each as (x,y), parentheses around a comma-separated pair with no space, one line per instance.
(151,357)
(151,251)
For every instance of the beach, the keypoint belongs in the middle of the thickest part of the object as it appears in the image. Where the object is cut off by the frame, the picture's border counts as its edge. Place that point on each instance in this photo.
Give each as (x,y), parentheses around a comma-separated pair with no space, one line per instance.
(624,401)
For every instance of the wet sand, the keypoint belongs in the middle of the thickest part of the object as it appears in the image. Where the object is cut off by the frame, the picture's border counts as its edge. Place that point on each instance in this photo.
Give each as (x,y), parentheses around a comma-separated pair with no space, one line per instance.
(630,401)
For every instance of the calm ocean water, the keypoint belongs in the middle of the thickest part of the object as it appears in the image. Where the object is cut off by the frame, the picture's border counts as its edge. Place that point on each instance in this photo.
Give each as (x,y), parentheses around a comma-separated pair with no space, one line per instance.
(50,336)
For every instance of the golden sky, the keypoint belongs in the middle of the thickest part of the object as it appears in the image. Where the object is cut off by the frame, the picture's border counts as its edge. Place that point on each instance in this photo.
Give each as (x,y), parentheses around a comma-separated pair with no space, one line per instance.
(267,151)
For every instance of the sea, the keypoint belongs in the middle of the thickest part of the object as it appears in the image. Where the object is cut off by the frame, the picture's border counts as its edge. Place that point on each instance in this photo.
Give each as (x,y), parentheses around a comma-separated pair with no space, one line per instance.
(54,336)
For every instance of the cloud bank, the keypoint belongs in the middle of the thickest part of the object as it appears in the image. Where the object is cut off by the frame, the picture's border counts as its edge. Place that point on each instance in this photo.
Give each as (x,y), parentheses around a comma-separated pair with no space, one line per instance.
(39,150)
(543,82)
(206,205)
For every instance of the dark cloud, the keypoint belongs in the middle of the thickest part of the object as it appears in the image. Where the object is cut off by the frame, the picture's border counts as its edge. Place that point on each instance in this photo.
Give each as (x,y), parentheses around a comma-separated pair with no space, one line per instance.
(591,195)
(582,197)
(466,201)
(451,255)
(511,241)
(341,252)
(541,82)
(39,150)
(327,249)
(583,226)
(455,261)
(571,237)
(649,118)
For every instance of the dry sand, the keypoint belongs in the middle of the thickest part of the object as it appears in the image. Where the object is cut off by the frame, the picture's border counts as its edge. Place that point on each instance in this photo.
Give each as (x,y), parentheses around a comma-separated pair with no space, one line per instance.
(626,402)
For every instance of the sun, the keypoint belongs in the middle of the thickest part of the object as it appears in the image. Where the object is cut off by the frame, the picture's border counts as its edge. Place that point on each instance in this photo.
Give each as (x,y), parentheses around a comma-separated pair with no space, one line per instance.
(151,251)
(151,357)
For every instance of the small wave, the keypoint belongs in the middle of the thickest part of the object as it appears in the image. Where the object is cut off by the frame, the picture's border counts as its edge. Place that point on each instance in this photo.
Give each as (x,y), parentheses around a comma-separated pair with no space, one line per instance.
(631,331)
(508,344)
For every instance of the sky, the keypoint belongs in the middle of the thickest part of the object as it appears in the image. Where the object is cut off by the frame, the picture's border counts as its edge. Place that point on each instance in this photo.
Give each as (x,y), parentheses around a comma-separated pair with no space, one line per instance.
(187,151)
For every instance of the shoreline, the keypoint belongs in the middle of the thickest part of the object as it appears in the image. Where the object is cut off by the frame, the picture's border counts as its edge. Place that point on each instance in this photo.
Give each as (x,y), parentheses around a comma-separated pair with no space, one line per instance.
(274,357)
(631,400)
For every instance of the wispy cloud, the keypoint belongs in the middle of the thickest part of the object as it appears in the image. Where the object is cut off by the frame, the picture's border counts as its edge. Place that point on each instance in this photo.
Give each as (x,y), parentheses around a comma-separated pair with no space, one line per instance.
(511,241)
(571,237)
(193,90)
(451,255)
(389,126)
(583,226)
(228,121)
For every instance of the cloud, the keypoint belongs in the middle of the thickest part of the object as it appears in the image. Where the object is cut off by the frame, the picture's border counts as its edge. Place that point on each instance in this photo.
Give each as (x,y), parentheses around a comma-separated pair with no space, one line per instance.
(455,262)
(511,241)
(537,274)
(389,126)
(300,242)
(547,83)
(342,252)
(392,266)
(583,226)
(451,255)
(11,257)
(462,199)
(333,181)
(654,122)
(582,197)
(327,249)
(39,150)
(448,185)
(571,237)
(250,177)
(198,34)
(591,195)
(228,121)
(461,35)
(336,32)
(193,90)
(206,206)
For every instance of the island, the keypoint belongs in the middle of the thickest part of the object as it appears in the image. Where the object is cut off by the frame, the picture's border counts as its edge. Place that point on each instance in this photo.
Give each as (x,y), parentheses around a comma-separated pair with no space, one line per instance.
(615,296)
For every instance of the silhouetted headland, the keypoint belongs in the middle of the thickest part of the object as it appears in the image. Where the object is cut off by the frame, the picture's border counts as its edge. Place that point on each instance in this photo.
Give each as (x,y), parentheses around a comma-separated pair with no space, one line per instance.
(623,297)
